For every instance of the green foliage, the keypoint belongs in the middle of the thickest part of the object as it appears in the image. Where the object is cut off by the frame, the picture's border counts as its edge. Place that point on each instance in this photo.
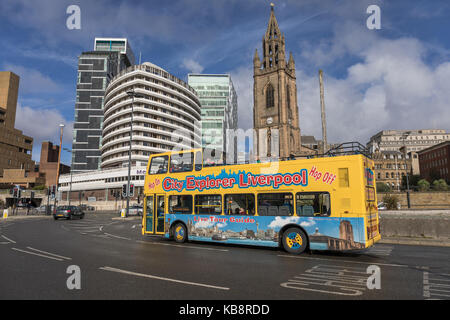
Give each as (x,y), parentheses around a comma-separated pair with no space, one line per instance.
(391,202)
(383,187)
(440,185)
(423,185)
(40,187)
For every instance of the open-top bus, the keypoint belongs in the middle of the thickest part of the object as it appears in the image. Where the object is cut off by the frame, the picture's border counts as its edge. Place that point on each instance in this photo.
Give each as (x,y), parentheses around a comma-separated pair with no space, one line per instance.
(323,203)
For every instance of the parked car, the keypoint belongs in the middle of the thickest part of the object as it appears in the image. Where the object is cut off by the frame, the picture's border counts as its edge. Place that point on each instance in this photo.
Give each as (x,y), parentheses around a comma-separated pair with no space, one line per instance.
(382,206)
(85,207)
(135,210)
(68,212)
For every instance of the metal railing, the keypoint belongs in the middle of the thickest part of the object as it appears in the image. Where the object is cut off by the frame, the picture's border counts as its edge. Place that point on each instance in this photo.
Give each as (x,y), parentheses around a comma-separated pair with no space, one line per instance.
(344,149)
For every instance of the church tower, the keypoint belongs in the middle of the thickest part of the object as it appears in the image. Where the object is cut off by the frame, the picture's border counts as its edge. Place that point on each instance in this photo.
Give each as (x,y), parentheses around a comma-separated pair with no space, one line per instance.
(275,96)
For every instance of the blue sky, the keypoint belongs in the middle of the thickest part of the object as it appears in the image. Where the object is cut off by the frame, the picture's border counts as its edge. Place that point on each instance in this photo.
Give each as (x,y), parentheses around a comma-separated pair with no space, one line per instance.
(397,77)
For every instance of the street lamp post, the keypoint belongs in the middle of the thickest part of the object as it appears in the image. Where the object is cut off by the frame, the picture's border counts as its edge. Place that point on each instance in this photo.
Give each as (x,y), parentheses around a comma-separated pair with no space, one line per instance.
(61,126)
(131,94)
(405,135)
(70,186)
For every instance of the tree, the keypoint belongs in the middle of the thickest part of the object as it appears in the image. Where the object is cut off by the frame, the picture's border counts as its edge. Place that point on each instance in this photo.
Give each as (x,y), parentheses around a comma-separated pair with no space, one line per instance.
(423,185)
(383,187)
(440,185)
(391,202)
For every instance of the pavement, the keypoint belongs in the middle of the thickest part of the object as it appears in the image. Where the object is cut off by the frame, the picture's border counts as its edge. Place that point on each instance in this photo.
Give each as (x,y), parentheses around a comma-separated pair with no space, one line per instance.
(40,258)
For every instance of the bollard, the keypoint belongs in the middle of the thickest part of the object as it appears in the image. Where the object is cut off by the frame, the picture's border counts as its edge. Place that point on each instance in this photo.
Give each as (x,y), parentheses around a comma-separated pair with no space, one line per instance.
(5,213)
(123,213)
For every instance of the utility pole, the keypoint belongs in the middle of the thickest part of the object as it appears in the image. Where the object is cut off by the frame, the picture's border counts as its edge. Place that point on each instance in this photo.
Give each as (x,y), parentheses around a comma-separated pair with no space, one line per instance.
(61,126)
(133,95)
(322,111)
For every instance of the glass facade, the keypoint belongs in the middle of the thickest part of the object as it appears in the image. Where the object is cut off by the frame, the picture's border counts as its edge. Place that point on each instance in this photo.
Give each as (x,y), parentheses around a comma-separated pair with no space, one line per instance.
(95,70)
(219,108)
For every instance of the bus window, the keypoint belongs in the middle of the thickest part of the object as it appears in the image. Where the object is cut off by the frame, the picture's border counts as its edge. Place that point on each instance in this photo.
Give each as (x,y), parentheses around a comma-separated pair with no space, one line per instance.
(198,161)
(275,204)
(180,204)
(181,162)
(312,204)
(240,204)
(208,204)
(158,165)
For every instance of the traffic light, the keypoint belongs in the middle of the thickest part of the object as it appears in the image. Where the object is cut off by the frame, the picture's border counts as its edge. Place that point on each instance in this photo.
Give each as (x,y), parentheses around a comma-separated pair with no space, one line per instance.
(124,190)
(131,190)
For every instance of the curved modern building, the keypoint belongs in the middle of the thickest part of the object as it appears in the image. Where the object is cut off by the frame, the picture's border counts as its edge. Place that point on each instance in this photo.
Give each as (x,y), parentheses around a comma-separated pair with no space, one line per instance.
(166,115)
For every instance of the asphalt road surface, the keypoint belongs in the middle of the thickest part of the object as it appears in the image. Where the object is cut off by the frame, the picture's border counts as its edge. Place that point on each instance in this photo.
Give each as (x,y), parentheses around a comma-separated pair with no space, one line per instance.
(114,261)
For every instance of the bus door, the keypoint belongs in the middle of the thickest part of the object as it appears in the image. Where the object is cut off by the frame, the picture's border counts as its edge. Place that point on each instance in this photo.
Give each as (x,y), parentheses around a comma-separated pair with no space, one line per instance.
(159,213)
(148,222)
(154,214)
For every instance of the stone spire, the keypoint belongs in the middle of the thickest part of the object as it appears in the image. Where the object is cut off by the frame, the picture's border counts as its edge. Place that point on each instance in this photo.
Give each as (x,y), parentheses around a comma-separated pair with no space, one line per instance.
(256,61)
(273,44)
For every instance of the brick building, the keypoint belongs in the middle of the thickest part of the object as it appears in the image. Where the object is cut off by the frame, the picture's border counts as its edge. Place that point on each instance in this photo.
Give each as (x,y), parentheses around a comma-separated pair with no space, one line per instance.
(48,164)
(434,162)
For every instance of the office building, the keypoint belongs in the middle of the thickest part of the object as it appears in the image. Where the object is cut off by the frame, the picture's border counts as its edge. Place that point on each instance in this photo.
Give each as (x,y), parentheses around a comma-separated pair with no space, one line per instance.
(16,165)
(95,70)
(218,99)
(413,140)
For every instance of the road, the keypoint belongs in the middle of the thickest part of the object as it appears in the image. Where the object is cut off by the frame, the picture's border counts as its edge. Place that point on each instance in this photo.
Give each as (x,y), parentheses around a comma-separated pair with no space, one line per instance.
(116,262)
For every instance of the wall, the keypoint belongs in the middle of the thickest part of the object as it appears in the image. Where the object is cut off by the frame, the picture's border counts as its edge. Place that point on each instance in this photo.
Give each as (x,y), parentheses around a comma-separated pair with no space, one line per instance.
(421,200)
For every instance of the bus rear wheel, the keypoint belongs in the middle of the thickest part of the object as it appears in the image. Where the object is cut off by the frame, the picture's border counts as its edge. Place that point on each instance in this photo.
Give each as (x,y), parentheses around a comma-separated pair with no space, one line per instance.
(179,233)
(294,240)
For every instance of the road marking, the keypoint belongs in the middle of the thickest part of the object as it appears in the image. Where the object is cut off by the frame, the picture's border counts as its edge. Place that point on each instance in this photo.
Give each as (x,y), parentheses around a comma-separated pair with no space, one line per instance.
(331,279)
(114,236)
(52,254)
(437,287)
(380,251)
(181,246)
(37,254)
(347,261)
(11,241)
(162,278)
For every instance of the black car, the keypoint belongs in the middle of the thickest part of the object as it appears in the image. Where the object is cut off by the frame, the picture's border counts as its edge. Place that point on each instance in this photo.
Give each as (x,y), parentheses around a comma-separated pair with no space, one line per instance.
(68,212)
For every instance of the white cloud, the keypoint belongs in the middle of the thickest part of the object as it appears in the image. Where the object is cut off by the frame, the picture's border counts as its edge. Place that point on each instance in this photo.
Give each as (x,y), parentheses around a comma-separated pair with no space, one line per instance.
(204,224)
(43,125)
(192,66)
(280,222)
(308,223)
(392,87)
(33,81)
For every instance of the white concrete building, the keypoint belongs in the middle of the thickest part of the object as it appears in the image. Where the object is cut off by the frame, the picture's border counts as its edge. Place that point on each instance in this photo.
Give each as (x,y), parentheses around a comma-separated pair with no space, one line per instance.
(167,115)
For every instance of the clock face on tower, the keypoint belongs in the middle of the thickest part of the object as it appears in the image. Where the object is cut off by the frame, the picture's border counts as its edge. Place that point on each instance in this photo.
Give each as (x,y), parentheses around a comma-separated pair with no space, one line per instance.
(269,120)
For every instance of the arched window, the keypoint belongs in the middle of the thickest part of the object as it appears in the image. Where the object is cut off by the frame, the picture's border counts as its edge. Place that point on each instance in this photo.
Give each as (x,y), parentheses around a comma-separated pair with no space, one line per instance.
(270,96)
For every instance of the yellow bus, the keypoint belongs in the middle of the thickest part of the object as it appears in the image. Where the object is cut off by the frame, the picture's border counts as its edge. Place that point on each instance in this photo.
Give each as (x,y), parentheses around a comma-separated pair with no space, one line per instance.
(326,203)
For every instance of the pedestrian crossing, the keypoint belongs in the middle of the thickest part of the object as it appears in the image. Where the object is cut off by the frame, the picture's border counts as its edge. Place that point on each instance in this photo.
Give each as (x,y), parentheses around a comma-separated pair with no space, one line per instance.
(436,285)
(380,250)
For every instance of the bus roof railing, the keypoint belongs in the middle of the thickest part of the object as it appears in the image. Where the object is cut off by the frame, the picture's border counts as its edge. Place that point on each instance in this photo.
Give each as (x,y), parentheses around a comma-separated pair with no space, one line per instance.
(344,149)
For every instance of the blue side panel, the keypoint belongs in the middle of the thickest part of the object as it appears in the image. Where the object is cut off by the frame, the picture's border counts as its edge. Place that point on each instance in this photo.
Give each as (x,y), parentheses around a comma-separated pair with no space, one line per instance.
(324,233)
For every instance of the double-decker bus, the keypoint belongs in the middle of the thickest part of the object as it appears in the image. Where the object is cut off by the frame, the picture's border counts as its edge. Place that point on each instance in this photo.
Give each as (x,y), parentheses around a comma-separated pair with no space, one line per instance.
(321,203)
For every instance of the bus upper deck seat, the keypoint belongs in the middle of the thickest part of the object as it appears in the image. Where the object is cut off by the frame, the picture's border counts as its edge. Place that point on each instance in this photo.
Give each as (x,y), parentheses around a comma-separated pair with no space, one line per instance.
(262,211)
(273,211)
(284,211)
(308,211)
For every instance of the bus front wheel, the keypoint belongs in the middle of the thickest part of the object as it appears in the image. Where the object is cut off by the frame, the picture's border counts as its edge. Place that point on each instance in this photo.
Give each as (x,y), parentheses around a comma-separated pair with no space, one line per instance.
(179,233)
(294,240)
